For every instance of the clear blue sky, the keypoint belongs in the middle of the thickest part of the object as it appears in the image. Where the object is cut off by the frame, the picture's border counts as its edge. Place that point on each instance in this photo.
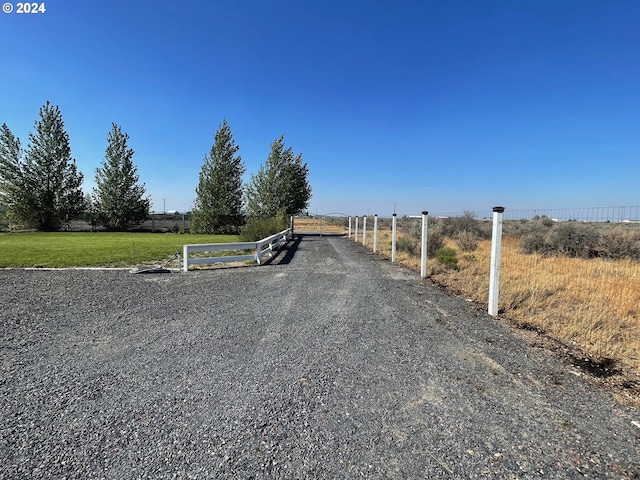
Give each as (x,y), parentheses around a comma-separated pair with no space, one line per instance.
(433,105)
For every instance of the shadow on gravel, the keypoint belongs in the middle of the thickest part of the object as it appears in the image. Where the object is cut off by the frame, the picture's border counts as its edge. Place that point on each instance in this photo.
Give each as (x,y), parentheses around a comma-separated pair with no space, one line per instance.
(292,248)
(288,256)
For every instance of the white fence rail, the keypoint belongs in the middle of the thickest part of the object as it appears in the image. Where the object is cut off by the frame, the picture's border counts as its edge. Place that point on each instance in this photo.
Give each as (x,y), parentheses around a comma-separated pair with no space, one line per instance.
(261,247)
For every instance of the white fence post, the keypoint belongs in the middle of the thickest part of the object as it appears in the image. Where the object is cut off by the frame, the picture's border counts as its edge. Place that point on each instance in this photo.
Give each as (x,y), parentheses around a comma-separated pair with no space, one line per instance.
(356,229)
(349,227)
(494,276)
(423,250)
(291,225)
(393,238)
(185,258)
(375,232)
(364,230)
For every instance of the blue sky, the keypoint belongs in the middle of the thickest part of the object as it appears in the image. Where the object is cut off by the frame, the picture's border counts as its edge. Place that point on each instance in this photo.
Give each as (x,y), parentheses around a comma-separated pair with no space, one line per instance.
(439,106)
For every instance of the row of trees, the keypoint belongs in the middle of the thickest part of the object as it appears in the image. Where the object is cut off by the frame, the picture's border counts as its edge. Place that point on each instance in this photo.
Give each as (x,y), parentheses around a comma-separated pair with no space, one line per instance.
(280,187)
(41,186)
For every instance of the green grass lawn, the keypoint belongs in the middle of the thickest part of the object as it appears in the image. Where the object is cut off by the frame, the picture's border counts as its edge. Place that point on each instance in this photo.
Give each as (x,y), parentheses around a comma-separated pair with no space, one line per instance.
(84,249)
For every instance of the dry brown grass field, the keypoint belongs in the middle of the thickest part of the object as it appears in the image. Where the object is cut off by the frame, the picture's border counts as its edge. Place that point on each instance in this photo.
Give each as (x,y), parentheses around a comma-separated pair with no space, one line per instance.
(589,302)
(320,224)
(591,305)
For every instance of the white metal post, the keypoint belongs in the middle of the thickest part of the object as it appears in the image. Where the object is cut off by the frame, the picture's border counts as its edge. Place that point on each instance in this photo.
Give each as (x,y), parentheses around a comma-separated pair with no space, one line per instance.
(291,226)
(364,230)
(423,251)
(356,229)
(393,238)
(349,227)
(375,232)
(494,276)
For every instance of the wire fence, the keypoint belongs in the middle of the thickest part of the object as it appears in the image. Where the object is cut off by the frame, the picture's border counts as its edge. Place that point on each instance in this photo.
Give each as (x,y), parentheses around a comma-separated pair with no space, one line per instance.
(620,214)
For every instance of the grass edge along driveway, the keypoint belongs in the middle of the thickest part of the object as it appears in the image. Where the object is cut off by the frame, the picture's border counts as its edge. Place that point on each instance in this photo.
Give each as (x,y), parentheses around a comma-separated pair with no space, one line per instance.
(95,249)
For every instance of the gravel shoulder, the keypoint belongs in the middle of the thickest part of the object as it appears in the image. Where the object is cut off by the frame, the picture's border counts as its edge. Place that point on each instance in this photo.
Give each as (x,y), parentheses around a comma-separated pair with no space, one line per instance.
(326,363)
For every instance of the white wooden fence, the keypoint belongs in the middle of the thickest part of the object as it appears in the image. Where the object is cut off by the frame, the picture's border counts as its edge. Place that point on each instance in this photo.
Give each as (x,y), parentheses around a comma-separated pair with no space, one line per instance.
(261,247)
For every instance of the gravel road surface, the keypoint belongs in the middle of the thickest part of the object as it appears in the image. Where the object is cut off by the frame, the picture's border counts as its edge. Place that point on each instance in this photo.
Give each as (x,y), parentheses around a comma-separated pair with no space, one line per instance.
(327,363)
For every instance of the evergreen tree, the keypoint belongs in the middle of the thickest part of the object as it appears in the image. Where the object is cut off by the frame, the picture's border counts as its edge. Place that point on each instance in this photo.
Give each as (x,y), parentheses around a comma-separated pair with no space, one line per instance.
(281,184)
(263,190)
(219,203)
(50,178)
(294,177)
(12,190)
(118,199)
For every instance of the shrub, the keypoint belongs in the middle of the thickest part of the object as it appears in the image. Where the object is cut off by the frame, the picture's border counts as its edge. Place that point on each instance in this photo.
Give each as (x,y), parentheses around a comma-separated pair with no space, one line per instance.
(447,226)
(617,245)
(526,227)
(412,244)
(435,241)
(447,256)
(416,230)
(259,228)
(467,222)
(545,221)
(408,244)
(467,241)
(573,240)
(453,226)
(534,242)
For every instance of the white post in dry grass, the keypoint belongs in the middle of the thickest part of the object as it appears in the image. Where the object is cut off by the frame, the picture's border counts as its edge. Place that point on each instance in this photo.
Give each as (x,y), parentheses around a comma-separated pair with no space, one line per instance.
(364,230)
(349,227)
(494,276)
(375,232)
(393,238)
(356,229)
(423,250)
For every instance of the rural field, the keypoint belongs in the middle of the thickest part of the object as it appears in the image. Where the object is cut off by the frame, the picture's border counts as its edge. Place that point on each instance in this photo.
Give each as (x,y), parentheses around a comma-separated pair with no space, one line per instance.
(590,304)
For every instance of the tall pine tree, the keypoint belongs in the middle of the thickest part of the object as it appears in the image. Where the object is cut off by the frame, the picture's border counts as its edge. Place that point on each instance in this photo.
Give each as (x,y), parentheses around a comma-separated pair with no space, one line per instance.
(281,184)
(12,191)
(118,199)
(294,177)
(219,202)
(51,180)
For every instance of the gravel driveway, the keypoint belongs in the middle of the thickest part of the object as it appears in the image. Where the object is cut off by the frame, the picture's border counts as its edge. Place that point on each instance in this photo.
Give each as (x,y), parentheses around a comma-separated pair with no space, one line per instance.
(326,363)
